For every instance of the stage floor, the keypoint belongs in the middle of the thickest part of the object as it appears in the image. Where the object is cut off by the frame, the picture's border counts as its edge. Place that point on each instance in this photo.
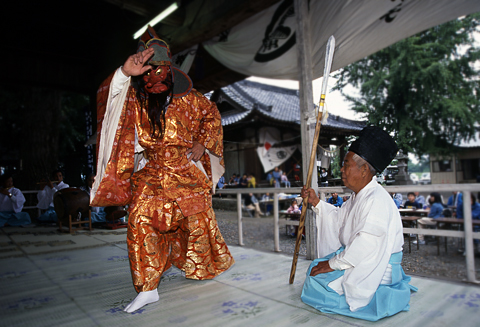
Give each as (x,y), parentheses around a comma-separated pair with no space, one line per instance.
(84,280)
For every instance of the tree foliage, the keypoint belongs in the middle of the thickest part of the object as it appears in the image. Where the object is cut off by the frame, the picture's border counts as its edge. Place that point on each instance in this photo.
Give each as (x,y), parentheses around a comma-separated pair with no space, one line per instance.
(425,89)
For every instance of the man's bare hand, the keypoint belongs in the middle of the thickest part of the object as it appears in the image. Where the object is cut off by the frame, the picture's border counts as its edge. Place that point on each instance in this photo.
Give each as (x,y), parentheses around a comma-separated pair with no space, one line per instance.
(197,151)
(4,191)
(321,268)
(135,64)
(310,193)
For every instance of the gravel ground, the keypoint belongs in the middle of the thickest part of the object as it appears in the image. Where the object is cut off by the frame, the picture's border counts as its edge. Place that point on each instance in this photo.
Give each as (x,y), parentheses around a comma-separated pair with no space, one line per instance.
(258,234)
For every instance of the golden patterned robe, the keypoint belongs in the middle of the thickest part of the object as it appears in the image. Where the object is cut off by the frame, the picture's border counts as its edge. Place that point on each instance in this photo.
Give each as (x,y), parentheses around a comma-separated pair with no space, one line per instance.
(170,215)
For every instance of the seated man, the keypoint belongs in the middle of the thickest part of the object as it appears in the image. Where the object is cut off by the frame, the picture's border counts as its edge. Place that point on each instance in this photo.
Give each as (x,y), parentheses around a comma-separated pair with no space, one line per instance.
(360,244)
(436,211)
(251,203)
(11,204)
(335,200)
(411,203)
(98,214)
(45,197)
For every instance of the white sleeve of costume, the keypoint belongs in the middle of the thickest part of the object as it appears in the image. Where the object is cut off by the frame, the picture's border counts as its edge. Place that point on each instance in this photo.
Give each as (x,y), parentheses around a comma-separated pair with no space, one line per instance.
(17,200)
(45,197)
(116,98)
(328,224)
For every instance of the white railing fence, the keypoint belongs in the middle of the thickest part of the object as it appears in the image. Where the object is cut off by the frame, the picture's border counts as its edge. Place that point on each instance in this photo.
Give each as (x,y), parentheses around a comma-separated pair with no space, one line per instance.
(467,233)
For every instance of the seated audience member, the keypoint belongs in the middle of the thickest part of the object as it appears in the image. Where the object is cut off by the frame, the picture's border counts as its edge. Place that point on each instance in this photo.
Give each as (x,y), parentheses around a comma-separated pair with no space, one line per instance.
(345,198)
(277,175)
(335,200)
(251,202)
(436,211)
(221,183)
(294,208)
(285,180)
(233,180)
(397,202)
(266,197)
(453,199)
(45,197)
(98,214)
(359,273)
(243,182)
(270,179)
(411,203)
(420,199)
(323,178)
(251,181)
(11,204)
(269,206)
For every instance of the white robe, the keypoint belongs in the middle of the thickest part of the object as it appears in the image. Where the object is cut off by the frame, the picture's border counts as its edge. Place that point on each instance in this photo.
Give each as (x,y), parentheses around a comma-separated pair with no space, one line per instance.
(369,226)
(14,203)
(45,196)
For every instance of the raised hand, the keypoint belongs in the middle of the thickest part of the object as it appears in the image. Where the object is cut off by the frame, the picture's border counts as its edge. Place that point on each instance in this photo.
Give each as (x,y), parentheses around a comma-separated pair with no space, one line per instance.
(135,64)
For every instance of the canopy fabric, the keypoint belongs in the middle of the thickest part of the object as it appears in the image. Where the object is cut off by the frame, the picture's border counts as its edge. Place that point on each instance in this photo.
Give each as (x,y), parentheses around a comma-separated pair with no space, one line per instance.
(264,45)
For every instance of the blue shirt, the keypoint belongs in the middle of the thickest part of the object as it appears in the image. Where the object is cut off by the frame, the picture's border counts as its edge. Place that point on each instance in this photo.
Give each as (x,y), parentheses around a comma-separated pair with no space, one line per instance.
(221,182)
(339,201)
(436,211)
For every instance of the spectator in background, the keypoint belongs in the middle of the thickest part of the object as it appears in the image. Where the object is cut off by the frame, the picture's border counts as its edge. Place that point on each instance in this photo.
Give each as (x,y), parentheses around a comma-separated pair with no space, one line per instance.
(11,204)
(269,206)
(323,178)
(98,214)
(270,179)
(335,200)
(233,180)
(345,198)
(45,197)
(221,183)
(436,211)
(453,199)
(294,207)
(296,171)
(420,199)
(285,180)
(252,182)
(411,203)
(251,203)
(398,203)
(277,175)
(243,182)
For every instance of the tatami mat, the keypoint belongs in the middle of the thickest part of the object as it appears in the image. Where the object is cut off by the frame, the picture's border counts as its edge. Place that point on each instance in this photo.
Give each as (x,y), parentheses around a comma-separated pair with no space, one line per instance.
(90,287)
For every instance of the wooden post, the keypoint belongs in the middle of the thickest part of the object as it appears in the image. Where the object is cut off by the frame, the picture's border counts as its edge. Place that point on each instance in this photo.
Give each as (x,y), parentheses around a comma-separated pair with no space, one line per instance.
(307,109)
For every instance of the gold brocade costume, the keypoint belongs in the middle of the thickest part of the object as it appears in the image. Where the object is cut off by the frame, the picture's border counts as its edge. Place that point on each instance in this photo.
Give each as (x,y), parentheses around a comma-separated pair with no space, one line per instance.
(170,216)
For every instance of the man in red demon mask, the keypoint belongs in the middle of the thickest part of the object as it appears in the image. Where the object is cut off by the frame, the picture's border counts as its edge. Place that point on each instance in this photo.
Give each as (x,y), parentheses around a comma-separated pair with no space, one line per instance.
(159,151)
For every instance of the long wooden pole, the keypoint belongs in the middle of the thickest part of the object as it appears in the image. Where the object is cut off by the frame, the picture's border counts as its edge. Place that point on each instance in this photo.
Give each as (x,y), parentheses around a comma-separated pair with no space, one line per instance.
(328,65)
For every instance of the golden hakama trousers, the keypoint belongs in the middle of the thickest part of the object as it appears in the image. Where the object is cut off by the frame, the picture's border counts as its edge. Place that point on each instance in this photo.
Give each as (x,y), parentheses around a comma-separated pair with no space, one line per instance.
(193,244)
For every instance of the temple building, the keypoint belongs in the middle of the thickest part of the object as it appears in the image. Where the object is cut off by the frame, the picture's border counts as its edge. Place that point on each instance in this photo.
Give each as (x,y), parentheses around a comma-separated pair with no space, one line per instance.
(261,125)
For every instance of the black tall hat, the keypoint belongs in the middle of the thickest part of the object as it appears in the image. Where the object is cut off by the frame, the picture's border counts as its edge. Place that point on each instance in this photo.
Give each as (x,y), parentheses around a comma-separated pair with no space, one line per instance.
(376,146)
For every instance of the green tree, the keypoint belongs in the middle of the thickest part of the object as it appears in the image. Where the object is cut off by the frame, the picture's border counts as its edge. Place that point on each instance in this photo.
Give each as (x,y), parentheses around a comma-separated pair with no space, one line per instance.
(425,89)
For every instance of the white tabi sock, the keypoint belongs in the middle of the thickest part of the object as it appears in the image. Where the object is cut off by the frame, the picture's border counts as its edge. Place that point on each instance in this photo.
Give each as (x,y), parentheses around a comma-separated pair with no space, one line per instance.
(142,299)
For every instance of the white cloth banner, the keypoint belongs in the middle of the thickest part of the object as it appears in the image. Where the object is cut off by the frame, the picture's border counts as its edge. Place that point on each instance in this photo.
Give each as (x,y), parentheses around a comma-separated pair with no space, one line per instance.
(268,136)
(275,156)
(264,45)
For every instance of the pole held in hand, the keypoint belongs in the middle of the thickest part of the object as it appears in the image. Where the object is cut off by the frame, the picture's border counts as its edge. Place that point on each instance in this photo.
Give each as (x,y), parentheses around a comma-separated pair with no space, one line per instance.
(321,111)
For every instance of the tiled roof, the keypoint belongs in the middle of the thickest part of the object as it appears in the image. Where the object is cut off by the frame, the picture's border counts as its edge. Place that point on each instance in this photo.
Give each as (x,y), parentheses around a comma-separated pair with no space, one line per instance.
(277,103)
